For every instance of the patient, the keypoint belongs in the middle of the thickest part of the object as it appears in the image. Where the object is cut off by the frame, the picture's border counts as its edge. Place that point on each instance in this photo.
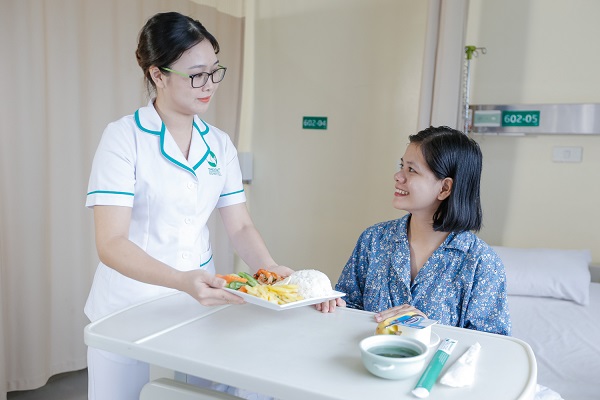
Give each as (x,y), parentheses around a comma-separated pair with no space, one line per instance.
(430,261)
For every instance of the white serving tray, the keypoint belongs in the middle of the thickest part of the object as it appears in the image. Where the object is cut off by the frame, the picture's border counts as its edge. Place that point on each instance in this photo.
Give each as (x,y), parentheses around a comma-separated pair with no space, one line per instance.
(301,303)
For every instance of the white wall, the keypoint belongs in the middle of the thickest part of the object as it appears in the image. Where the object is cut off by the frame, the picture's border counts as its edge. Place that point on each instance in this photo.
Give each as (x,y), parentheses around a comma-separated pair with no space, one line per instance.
(359,63)
(315,191)
(538,52)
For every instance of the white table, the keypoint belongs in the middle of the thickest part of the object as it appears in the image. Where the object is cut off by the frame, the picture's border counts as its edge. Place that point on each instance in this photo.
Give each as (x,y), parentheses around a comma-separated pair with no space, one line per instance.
(298,353)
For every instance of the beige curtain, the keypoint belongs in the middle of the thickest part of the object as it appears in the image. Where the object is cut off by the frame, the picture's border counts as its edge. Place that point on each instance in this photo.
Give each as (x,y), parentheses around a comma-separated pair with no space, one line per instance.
(68,69)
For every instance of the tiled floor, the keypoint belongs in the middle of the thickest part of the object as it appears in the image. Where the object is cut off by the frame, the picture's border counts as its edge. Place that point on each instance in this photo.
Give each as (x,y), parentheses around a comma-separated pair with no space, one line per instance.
(67,386)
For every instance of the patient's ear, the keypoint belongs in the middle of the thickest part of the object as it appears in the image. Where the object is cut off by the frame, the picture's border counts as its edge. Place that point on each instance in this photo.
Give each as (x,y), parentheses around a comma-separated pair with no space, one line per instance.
(446,188)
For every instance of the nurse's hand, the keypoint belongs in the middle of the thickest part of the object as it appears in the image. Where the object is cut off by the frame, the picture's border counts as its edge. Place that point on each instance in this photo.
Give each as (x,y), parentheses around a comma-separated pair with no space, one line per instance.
(330,305)
(403,309)
(207,289)
(280,270)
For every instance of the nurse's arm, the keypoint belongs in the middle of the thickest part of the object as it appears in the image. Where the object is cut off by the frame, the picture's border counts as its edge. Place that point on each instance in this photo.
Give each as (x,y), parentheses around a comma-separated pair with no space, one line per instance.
(247,241)
(118,252)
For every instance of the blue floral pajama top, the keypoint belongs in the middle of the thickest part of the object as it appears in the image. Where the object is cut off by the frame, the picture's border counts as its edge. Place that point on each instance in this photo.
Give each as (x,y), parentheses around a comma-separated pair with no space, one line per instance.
(462,284)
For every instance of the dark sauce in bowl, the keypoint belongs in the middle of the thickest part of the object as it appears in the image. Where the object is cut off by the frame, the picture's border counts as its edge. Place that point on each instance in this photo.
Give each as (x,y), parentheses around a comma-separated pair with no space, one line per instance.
(393,351)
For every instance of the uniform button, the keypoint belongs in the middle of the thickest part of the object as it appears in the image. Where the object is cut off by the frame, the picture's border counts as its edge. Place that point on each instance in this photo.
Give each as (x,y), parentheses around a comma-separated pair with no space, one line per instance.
(188,221)
(185,256)
(191,185)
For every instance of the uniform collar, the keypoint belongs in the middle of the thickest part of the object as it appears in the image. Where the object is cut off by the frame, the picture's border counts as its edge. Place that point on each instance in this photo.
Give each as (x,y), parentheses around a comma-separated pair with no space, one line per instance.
(148,121)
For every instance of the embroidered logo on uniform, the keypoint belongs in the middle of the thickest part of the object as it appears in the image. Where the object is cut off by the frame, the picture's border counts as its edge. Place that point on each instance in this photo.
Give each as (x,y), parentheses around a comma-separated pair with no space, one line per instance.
(212,161)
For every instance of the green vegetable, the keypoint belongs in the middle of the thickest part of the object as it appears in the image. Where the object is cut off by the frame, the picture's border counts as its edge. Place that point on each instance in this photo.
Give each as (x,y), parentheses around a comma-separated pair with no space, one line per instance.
(249,278)
(235,285)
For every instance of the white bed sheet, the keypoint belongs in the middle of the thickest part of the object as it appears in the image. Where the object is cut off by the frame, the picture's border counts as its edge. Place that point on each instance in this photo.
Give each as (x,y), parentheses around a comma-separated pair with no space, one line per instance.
(565,338)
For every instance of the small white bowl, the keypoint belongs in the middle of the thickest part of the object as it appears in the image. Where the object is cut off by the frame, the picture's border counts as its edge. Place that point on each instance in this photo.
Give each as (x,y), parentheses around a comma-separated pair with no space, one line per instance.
(393,357)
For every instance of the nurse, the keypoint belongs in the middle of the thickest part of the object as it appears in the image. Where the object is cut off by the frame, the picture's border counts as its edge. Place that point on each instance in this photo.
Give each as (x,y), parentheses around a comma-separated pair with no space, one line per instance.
(156,178)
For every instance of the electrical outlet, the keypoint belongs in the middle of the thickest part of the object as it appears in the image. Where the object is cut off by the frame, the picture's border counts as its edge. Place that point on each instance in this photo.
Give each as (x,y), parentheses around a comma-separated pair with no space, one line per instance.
(567,154)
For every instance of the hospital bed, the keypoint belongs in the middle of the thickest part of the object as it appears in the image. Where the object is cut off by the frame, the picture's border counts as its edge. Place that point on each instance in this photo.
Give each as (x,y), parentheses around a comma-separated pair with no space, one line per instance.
(555,308)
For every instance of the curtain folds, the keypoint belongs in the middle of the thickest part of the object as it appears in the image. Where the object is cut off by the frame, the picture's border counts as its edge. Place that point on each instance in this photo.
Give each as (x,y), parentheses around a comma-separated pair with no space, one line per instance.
(69,70)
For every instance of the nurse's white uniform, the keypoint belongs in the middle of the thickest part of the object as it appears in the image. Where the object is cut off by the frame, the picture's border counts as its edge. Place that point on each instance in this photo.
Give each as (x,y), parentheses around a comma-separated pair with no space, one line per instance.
(139,165)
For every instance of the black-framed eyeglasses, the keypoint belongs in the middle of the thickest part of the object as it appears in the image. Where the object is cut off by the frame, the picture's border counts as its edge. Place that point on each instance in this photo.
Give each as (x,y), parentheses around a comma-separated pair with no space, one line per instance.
(200,79)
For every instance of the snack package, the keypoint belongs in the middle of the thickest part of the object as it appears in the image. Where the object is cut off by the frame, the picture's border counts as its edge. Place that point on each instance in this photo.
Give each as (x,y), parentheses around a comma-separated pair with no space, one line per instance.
(397,324)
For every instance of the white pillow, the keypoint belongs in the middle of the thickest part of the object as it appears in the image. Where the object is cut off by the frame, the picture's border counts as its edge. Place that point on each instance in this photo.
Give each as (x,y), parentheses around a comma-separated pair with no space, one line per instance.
(562,274)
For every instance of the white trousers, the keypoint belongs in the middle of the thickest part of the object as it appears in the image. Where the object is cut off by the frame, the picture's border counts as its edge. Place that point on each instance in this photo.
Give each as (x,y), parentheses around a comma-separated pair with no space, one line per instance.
(115,377)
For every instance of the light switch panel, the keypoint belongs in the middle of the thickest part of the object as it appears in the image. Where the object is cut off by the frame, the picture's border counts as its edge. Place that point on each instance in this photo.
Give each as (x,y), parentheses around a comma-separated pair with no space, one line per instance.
(567,154)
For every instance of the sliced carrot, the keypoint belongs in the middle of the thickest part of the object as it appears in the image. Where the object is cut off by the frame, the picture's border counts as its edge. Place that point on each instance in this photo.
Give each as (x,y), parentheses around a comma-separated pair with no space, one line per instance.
(231,278)
(243,289)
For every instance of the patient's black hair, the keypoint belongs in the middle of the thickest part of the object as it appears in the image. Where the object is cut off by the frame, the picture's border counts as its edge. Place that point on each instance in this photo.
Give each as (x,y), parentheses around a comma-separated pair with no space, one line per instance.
(450,153)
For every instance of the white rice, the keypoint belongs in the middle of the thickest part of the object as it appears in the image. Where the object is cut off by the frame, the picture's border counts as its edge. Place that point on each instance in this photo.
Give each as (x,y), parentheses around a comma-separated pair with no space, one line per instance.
(311,283)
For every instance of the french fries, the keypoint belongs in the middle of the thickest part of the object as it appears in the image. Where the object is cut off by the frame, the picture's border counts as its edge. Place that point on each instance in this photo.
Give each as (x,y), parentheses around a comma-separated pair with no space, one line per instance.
(278,294)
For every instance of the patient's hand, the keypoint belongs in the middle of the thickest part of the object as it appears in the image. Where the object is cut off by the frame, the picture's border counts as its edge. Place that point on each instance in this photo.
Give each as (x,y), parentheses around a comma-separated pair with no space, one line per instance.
(330,305)
(403,309)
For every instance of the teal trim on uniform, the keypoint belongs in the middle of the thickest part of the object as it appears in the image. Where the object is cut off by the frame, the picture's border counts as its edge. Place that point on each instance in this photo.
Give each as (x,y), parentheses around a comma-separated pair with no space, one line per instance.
(229,194)
(139,124)
(110,192)
(203,264)
(205,131)
(202,133)
(161,133)
(168,157)
(202,159)
(206,144)
(208,151)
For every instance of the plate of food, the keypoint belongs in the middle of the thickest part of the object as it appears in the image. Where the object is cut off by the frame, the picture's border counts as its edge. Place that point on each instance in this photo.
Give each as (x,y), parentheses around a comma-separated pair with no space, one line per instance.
(267,289)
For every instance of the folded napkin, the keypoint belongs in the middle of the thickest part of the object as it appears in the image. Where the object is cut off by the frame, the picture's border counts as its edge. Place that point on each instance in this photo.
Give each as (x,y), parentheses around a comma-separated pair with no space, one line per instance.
(462,372)
(544,393)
